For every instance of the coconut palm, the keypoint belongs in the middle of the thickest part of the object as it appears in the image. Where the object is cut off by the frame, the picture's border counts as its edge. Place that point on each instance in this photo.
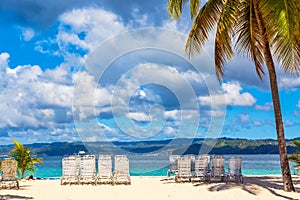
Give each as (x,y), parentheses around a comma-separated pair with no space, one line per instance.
(261,30)
(22,155)
(295,157)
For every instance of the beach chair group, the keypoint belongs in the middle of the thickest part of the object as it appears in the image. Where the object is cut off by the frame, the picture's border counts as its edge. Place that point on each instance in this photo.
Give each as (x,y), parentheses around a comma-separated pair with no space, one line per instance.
(82,170)
(9,178)
(192,168)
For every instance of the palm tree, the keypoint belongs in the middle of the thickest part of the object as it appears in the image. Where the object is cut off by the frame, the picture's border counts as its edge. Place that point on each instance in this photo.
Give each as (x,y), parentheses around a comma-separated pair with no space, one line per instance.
(261,30)
(295,157)
(22,155)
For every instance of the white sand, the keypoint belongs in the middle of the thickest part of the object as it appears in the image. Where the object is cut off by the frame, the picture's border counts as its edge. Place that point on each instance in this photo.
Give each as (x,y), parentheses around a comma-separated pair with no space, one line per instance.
(156,188)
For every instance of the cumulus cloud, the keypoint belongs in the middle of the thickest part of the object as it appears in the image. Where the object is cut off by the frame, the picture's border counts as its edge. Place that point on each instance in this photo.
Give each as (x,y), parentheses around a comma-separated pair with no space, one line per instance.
(138,116)
(27,34)
(288,81)
(4,61)
(244,118)
(257,123)
(231,95)
(288,123)
(38,103)
(91,23)
(266,107)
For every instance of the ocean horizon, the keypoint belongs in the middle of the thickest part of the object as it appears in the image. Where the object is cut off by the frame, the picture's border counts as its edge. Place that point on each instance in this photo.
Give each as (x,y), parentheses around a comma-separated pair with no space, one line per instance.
(158,165)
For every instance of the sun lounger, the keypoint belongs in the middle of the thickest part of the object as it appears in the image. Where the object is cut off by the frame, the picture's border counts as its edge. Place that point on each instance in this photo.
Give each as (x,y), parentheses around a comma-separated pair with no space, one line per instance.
(184,169)
(121,171)
(235,169)
(87,170)
(9,177)
(173,169)
(105,170)
(217,170)
(70,170)
(201,168)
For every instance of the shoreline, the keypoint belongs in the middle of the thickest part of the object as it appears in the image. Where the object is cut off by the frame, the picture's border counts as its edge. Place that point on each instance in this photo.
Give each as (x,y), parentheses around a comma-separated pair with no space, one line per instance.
(154,187)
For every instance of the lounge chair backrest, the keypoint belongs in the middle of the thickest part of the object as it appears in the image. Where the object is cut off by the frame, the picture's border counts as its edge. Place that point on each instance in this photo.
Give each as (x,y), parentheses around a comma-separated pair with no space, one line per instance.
(70,166)
(121,164)
(235,166)
(9,169)
(218,165)
(88,166)
(105,165)
(184,165)
(173,160)
(202,163)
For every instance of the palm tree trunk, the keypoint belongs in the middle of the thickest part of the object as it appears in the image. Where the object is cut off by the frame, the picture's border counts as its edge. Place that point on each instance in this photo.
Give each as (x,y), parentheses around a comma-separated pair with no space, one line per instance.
(22,173)
(285,168)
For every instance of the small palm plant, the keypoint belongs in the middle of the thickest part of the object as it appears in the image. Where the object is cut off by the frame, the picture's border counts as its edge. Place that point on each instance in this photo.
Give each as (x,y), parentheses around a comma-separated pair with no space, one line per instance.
(22,155)
(295,157)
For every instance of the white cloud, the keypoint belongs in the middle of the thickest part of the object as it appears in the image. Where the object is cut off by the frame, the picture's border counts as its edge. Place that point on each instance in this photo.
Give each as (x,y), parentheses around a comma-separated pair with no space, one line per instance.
(288,123)
(266,107)
(298,105)
(288,81)
(216,113)
(4,61)
(94,23)
(244,118)
(38,103)
(257,123)
(232,95)
(172,114)
(87,96)
(27,34)
(138,116)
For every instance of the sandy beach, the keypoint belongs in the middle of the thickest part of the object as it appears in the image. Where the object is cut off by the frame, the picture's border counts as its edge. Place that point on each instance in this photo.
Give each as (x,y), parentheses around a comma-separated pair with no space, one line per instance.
(156,188)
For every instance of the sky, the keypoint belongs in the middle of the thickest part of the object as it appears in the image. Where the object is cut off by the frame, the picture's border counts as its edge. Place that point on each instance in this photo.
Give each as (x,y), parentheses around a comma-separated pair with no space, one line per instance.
(111,70)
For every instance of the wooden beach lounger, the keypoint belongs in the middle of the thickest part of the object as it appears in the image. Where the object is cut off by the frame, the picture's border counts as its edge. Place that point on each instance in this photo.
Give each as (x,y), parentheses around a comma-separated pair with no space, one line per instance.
(121,171)
(235,169)
(9,177)
(87,170)
(70,170)
(201,168)
(105,170)
(217,170)
(184,169)
(173,162)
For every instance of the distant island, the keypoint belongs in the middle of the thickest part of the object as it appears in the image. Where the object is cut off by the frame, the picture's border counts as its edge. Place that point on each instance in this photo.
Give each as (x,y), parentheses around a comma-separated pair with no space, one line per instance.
(166,147)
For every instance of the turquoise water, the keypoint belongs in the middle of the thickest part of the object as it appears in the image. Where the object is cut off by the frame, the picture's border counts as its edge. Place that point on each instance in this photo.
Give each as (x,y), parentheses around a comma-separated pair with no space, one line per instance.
(261,164)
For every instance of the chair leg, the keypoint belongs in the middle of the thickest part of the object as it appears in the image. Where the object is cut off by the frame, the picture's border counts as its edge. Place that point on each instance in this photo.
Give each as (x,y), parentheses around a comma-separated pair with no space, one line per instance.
(18,186)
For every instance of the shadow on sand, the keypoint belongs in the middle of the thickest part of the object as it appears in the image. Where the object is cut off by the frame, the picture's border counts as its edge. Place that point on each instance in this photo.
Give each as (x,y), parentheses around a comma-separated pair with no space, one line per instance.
(8,197)
(251,185)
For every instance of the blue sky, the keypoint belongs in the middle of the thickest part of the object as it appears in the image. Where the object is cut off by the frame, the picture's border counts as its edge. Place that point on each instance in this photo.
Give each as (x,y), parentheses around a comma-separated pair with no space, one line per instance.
(115,70)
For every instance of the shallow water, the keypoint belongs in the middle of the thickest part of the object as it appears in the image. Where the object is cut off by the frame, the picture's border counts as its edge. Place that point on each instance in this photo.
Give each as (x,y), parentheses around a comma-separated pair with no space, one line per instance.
(157,165)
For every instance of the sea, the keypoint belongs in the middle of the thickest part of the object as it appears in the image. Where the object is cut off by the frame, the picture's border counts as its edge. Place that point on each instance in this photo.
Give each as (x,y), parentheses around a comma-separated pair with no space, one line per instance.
(158,165)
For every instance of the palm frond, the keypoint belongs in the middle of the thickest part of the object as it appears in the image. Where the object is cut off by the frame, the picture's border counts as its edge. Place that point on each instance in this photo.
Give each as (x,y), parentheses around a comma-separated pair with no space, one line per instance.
(295,157)
(283,28)
(249,40)
(224,35)
(175,8)
(205,21)
(194,8)
(22,155)
(297,143)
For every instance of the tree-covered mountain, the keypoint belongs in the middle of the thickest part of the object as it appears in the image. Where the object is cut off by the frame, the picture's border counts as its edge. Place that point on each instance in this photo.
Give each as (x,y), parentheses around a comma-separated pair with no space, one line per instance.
(176,146)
